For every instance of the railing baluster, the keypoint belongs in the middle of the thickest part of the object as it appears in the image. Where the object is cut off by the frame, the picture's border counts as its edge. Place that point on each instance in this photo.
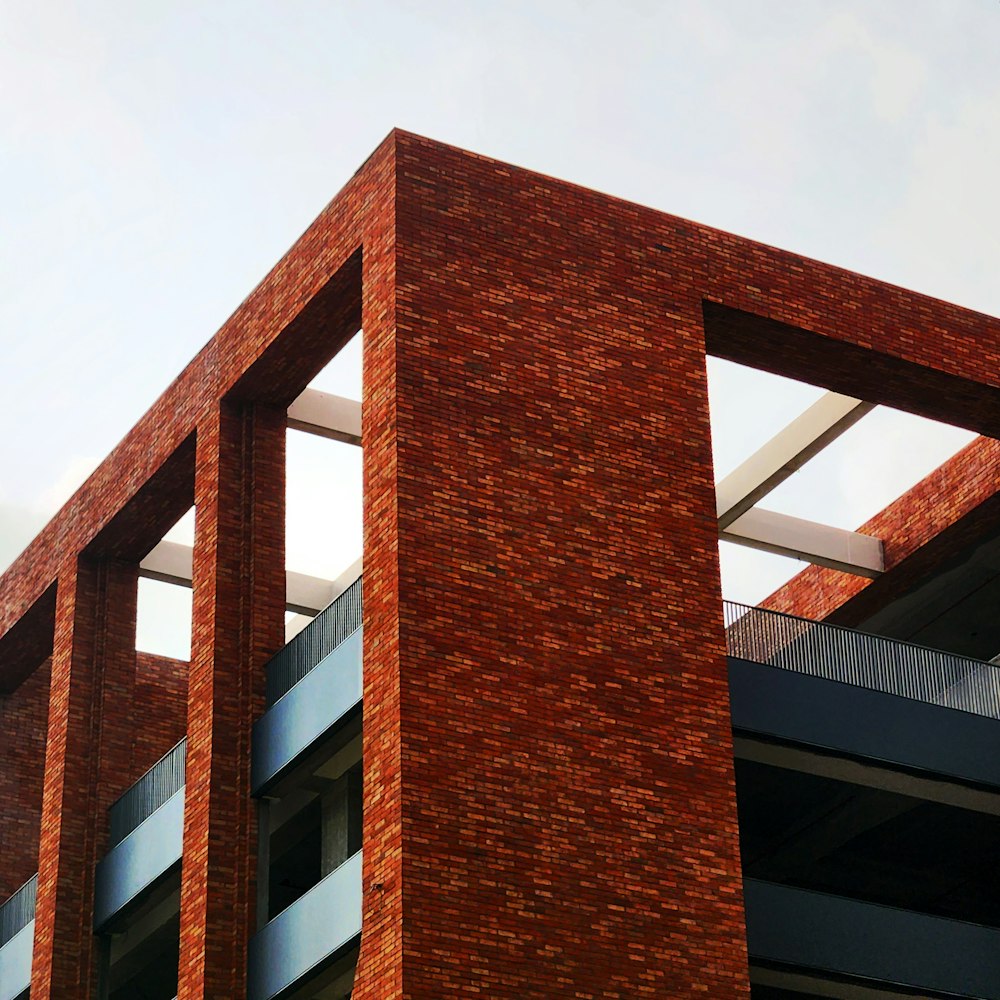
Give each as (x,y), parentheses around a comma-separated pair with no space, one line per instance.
(18,911)
(158,784)
(318,639)
(862,659)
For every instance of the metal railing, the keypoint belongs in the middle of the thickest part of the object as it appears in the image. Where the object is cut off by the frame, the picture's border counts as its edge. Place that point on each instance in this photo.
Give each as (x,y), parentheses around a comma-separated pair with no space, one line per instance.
(19,910)
(157,785)
(862,659)
(318,639)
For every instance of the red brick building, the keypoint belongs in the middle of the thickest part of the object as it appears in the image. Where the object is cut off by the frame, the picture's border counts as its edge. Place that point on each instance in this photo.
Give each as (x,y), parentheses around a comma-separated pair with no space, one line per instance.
(540,784)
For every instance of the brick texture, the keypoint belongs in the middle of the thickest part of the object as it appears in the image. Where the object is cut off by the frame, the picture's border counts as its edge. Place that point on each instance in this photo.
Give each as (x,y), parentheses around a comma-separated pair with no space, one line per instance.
(238,623)
(558,688)
(380,969)
(161,697)
(89,743)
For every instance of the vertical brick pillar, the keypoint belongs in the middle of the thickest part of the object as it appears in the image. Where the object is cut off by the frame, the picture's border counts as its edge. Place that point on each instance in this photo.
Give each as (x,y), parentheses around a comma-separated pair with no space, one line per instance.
(87,765)
(549,797)
(238,622)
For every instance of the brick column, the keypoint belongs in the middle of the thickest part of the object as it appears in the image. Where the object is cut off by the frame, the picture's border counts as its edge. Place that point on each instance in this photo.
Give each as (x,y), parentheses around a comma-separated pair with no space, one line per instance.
(87,765)
(550,803)
(238,622)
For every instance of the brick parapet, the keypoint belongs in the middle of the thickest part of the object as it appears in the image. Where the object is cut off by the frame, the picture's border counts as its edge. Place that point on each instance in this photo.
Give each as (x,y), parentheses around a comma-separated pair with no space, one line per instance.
(947,511)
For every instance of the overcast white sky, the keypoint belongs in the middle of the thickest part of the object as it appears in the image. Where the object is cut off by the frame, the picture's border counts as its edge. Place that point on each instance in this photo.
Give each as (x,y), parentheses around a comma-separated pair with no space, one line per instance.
(157,158)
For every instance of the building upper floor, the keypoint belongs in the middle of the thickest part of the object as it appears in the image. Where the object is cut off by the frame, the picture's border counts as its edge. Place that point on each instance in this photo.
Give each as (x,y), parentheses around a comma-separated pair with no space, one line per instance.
(547,730)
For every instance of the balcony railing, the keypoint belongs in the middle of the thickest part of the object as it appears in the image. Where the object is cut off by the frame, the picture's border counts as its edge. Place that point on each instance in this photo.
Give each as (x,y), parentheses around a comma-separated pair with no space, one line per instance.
(159,783)
(18,911)
(861,659)
(304,938)
(327,631)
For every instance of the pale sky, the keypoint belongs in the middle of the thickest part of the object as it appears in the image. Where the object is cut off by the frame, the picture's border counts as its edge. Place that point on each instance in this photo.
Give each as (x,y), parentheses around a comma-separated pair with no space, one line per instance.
(157,158)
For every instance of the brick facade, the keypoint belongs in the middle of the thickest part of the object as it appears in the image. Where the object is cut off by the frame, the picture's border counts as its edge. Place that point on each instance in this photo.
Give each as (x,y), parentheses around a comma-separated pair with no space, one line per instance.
(23,716)
(88,746)
(160,694)
(536,520)
(238,623)
(549,802)
(161,697)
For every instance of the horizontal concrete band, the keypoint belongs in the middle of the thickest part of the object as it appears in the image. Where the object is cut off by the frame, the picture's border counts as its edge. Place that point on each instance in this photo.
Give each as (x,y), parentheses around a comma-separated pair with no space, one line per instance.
(312,932)
(150,851)
(794,707)
(882,944)
(15,964)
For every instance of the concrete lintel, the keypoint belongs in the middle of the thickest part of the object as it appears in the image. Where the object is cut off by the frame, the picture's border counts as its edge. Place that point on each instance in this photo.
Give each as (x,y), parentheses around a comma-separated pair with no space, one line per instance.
(327,415)
(171,562)
(789,449)
(784,535)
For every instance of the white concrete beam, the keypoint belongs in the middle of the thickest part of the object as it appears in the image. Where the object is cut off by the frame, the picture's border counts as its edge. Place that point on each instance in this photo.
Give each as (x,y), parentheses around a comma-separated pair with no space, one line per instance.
(789,449)
(171,562)
(344,579)
(308,595)
(295,624)
(327,415)
(784,535)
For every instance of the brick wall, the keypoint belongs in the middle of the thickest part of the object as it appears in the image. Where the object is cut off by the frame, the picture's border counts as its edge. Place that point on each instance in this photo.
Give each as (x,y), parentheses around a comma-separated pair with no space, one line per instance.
(238,619)
(161,693)
(91,720)
(23,715)
(161,697)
